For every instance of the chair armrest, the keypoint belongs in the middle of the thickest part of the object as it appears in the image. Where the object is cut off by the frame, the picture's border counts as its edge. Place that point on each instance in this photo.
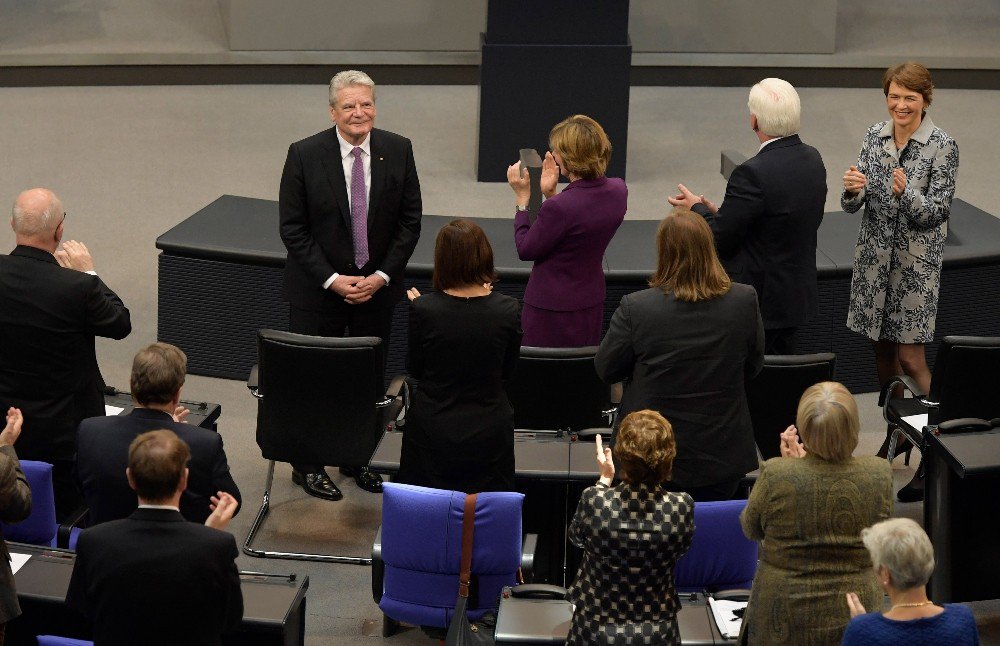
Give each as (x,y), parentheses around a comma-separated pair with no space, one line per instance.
(732,595)
(253,382)
(378,566)
(66,528)
(539,591)
(528,549)
(909,384)
(964,424)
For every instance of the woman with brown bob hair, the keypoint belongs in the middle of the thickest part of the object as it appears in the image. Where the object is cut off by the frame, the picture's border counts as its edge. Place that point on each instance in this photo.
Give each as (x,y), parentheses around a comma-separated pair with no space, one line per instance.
(564,299)
(905,180)
(631,535)
(463,343)
(684,347)
(807,509)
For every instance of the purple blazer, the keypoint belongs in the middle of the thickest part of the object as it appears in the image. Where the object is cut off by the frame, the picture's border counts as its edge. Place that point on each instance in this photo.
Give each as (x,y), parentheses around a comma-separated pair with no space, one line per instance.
(567,243)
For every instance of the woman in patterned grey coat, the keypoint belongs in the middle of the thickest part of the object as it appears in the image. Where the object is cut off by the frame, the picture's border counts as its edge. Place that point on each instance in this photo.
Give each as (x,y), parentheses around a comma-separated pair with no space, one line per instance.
(631,535)
(905,179)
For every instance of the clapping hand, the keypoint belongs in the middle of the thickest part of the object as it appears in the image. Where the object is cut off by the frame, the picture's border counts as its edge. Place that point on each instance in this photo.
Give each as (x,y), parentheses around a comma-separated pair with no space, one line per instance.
(180,414)
(790,447)
(854,180)
(605,464)
(854,603)
(520,182)
(74,255)
(413,294)
(12,431)
(686,199)
(550,175)
(223,507)
(898,181)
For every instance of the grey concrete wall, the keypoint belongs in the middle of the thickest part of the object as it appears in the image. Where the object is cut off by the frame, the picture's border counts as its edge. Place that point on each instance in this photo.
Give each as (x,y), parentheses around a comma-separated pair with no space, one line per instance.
(764,26)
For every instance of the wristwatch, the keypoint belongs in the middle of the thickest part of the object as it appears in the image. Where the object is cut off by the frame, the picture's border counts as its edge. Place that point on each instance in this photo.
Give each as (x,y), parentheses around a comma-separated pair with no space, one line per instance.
(520,208)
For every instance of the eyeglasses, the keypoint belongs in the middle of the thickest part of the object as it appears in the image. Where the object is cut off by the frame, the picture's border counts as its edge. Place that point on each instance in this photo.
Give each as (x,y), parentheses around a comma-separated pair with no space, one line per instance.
(63,220)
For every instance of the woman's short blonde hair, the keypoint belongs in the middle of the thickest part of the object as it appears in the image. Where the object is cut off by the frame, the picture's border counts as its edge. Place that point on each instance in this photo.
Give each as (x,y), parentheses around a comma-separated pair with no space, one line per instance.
(901,546)
(828,422)
(583,146)
(645,447)
(686,262)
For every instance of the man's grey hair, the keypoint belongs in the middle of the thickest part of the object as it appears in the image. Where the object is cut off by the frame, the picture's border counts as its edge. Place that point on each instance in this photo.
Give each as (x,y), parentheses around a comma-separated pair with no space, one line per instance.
(901,546)
(31,222)
(776,105)
(348,78)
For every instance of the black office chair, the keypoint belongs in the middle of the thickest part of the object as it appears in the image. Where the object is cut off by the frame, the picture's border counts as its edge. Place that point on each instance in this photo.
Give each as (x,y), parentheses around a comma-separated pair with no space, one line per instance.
(773,395)
(558,389)
(964,397)
(319,401)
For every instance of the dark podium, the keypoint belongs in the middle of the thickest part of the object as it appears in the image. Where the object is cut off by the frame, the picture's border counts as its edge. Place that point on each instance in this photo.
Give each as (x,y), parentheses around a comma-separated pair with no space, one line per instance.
(961,508)
(220,277)
(544,61)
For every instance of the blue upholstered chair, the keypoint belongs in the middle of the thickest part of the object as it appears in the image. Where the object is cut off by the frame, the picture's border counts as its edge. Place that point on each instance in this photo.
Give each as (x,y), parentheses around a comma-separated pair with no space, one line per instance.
(720,557)
(420,547)
(40,527)
(51,640)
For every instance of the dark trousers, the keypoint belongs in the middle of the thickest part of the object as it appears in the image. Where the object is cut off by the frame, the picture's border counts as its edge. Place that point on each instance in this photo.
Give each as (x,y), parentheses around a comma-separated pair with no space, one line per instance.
(373,318)
(780,340)
(64,489)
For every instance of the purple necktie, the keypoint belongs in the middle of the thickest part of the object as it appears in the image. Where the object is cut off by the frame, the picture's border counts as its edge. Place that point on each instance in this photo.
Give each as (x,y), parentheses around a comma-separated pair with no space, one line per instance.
(359,210)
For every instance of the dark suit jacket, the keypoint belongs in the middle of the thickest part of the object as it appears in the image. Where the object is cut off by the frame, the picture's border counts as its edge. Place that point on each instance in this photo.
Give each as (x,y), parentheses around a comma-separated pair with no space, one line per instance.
(156,579)
(315,220)
(568,241)
(15,505)
(49,316)
(102,456)
(689,362)
(765,230)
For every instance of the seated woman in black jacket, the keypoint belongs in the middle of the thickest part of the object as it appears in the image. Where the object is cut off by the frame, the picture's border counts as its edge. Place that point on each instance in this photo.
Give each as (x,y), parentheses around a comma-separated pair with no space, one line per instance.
(464,342)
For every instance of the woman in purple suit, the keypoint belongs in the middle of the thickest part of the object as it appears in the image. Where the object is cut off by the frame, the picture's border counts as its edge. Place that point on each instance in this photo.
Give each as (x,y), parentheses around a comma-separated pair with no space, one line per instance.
(564,299)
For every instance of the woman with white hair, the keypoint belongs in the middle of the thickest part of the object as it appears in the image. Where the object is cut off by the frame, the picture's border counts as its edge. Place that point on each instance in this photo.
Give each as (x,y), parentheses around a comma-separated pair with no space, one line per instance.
(808,508)
(903,559)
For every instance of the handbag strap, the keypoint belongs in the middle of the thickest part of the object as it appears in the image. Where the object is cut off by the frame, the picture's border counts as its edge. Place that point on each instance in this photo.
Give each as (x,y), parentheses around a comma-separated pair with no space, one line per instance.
(468,528)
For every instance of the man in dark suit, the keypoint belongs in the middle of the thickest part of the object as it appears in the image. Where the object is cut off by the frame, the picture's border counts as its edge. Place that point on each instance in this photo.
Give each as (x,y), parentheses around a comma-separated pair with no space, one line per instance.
(765,230)
(154,578)
(350,210)
(52,305)
(15,506)
(102,442)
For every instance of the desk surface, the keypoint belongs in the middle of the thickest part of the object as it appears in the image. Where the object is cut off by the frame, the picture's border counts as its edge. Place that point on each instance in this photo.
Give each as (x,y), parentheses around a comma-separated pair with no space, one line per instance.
(203,414)
(536,457)
(969,454)
(267,601)
(243,229)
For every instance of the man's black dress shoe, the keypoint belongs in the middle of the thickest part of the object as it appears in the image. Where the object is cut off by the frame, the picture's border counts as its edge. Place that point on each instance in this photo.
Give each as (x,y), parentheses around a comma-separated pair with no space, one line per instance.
(364,478)
(317,484)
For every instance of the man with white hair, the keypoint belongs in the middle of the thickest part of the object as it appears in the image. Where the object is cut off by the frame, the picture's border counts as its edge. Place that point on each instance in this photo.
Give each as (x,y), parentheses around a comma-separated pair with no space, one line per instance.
(349,208)
(52,305)
(765,230)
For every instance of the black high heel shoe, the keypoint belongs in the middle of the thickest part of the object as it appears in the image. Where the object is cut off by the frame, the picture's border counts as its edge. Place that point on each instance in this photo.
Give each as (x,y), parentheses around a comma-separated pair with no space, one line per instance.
(904,446)
(914,490)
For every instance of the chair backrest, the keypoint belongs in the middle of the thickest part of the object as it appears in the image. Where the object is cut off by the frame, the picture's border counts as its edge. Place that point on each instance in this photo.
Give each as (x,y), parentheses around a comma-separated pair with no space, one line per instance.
(721,557)
(422,547)
(773,395)
(557,388)
(52,640)
(319,396)
(40,527)
(966,378)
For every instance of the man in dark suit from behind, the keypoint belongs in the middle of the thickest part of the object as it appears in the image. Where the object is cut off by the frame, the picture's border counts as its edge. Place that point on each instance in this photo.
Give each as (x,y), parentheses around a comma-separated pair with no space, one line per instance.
(102,442)
(154,578)
(52,305)
(349,209)
(15,505)
(765,230)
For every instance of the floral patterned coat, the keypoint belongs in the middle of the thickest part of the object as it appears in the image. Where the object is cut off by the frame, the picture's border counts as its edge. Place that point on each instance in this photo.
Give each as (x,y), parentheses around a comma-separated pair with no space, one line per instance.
(897,260)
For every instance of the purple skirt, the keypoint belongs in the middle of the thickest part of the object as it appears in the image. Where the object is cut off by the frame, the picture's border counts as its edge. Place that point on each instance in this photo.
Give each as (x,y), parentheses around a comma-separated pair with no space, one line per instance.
(550,329)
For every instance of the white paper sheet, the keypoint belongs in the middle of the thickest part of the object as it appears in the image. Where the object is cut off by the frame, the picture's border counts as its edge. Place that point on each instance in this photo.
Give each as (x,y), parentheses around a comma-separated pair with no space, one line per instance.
(916,421)
(112,410)
(17,561)
(728,623)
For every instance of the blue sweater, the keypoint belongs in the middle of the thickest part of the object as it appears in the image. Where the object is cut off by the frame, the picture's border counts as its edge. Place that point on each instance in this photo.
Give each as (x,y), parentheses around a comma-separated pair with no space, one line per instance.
(955,626)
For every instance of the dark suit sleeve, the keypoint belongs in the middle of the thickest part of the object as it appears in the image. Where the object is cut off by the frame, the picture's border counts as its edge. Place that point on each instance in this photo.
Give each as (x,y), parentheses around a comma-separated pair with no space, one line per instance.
(106,313)
(407,221)
(415,339)
(77,595)
(513,352)
(743,203)
(15,494)
(755,340)
(293,219)
(222,477)
(234,591)
(615,358)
